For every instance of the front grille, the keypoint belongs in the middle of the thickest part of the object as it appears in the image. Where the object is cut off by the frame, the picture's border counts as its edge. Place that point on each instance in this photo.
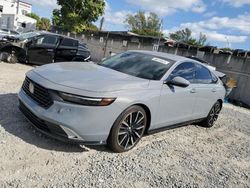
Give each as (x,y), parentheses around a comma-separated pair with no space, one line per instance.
(40,95)
(41,124)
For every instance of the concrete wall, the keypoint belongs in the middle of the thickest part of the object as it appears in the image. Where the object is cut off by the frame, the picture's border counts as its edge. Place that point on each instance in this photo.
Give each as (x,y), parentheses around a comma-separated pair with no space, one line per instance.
(237,68)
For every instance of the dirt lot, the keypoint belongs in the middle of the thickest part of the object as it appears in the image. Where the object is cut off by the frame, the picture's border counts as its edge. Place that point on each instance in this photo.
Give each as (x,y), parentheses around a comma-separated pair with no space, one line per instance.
(190,156)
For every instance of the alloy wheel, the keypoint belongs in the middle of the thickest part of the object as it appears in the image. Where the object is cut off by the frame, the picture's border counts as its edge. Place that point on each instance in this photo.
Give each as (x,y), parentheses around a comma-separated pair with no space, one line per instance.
(214,114)
(131,129)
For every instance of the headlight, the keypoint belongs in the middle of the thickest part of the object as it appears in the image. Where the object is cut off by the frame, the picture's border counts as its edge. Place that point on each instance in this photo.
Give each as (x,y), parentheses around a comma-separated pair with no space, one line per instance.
(87,101)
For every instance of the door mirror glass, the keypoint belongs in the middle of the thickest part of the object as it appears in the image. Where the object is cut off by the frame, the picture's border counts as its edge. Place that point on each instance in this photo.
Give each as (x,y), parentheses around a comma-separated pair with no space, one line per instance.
(178,81)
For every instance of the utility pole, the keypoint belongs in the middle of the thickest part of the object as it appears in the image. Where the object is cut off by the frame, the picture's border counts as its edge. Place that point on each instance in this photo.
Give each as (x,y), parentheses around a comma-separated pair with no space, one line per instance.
(17,8)
(101,23)
(106,44)
(161,25)
(228,43)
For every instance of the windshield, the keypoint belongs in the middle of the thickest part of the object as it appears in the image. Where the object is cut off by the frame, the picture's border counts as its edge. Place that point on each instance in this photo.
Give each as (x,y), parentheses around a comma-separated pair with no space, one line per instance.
(28,35)
(139,64)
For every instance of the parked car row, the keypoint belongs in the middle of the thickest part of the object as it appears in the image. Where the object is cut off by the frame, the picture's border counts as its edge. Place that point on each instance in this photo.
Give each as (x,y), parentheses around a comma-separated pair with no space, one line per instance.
(42,48)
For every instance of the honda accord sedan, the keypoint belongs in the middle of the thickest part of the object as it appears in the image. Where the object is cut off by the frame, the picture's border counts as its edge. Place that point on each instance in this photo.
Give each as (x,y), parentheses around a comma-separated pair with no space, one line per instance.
(119,100)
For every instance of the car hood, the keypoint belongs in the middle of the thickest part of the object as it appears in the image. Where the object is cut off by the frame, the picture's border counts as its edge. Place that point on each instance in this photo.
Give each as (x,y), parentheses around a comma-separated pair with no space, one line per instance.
(89,77)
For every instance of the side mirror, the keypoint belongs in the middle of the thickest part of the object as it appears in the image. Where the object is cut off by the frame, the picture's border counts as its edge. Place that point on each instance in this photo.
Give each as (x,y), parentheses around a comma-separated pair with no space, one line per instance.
(178,81)
(30,43)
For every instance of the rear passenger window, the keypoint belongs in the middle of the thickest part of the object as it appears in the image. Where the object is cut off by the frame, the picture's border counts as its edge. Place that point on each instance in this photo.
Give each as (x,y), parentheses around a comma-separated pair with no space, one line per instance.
(69,42)
(184,70)
(203,75)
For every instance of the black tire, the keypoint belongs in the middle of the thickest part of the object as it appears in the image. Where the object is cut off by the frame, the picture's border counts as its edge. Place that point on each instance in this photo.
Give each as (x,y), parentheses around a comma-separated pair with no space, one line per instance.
(8,57)
(212,116)
(128,129)
(4,56)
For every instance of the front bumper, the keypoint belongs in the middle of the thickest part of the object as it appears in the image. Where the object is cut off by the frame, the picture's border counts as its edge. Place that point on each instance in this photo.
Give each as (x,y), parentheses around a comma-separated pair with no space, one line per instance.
(69,122)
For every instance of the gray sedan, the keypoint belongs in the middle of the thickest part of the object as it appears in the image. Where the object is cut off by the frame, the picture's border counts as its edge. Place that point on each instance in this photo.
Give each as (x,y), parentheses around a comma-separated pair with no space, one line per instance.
(119,100)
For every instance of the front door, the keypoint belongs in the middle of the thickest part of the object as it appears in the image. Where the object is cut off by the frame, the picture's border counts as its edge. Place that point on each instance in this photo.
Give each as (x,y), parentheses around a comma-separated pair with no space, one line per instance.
(42,50)
(177,103)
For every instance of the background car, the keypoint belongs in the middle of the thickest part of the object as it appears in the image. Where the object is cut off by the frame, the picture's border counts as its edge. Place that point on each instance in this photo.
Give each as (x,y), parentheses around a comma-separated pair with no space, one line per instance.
(121,99)
(42,48)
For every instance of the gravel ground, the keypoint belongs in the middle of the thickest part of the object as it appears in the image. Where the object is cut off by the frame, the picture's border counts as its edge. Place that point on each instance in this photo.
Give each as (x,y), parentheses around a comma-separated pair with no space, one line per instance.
(190,156)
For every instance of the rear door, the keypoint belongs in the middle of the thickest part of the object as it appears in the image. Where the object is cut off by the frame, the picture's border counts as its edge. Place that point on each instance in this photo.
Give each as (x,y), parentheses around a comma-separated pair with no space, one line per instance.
(67,50)
(207,90)
(177,103)
(42,49)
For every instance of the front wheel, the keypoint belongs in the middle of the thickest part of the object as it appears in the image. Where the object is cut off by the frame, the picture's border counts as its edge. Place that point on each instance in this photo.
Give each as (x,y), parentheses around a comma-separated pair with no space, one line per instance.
(212,116)
(8,57)
(128,129)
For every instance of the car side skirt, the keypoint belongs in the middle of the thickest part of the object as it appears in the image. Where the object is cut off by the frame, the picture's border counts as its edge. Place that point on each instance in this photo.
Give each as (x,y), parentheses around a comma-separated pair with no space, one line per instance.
(178,125)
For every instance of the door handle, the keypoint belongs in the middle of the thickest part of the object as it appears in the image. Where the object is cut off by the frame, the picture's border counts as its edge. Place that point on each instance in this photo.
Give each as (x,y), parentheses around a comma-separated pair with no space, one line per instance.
(193,90)
(50,50)
(214,90)
(72,51)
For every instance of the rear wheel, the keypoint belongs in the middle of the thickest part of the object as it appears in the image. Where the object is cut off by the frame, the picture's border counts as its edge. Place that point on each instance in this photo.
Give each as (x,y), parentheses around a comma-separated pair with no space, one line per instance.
(212,116)
(128,129)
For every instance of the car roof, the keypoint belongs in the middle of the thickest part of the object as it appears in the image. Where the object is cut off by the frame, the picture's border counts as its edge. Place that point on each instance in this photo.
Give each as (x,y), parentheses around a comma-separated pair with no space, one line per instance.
(163,55)
(49,33)
(174,58)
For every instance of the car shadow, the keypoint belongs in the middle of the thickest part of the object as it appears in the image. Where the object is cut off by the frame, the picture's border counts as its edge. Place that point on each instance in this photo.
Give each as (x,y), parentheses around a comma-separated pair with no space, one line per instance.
(15,123)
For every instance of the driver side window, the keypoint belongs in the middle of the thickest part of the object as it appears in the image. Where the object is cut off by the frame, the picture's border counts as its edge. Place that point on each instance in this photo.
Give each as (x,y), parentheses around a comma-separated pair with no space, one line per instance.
(184,70)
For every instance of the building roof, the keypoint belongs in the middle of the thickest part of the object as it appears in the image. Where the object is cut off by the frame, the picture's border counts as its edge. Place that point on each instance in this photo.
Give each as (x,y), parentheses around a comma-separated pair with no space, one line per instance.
(130,34)
(25,3)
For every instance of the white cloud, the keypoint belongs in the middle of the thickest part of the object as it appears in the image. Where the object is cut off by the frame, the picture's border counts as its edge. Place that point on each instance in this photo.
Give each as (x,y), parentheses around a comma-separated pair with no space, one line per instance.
(117,17)
(220,29)
(237,3)
(219,37)
(209,14)
(199,7)
(113,20)
(166,7)
(240,24)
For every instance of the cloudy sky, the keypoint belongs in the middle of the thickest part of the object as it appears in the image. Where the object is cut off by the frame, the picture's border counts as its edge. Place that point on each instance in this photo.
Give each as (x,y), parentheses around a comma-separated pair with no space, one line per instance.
(223,21)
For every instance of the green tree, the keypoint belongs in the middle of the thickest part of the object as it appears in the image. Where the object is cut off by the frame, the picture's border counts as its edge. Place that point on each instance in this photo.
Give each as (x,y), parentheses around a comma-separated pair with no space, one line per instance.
(44,24)
(41,23)
(144,25)
(57,18)
(202,39)
(34,16)
(185,35)
(78,15)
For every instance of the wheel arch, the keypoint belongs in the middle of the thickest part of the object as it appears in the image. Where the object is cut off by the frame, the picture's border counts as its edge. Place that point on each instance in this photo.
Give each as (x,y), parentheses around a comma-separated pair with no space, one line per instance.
(10,48)
(148,113)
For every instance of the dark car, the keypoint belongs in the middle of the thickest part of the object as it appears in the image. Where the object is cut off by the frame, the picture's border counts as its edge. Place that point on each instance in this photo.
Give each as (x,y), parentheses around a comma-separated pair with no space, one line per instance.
(42,48)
